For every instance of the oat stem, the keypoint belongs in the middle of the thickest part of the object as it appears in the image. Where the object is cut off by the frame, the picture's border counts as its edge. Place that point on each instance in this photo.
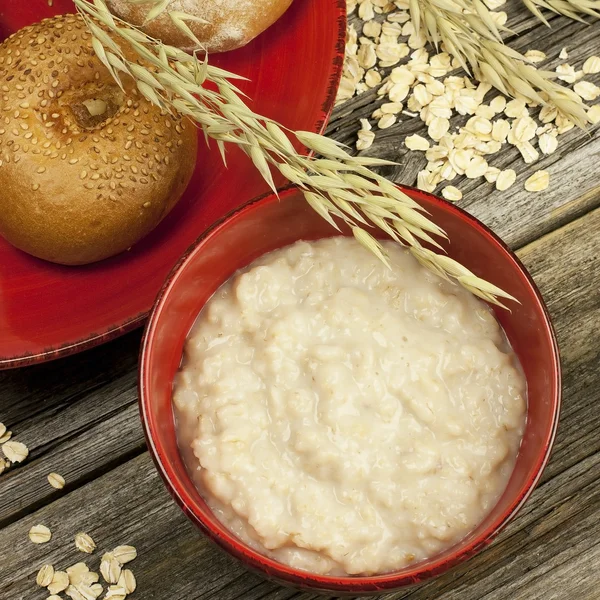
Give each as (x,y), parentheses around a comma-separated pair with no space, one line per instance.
(569,8)
(334,183)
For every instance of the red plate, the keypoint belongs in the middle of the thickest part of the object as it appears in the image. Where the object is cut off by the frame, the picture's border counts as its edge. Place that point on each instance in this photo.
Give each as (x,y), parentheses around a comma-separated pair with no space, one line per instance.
(47,310)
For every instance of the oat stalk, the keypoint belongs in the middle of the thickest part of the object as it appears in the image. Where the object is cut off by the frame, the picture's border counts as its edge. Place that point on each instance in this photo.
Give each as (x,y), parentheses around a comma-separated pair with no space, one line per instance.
(468,32)
(569,8)
(334,183)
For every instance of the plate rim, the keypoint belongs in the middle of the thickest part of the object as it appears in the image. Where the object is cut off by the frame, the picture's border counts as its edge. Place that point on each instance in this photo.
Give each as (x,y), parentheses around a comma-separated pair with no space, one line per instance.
(116,330)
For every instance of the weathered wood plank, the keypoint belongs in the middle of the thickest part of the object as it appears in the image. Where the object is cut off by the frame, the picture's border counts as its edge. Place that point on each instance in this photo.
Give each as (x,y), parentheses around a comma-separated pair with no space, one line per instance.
(555,532)
(77,416)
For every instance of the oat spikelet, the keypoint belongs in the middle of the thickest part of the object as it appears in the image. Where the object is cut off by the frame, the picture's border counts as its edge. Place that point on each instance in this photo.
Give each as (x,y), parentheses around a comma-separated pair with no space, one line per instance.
(469,33)
(335,184)
(569,8)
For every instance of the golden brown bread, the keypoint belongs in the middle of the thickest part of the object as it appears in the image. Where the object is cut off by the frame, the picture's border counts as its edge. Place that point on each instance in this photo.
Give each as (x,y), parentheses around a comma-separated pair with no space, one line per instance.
(85,170)
(230,24)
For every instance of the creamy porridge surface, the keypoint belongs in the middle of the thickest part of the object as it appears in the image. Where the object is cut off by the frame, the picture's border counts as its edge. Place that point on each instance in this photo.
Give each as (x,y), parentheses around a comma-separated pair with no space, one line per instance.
(346,418)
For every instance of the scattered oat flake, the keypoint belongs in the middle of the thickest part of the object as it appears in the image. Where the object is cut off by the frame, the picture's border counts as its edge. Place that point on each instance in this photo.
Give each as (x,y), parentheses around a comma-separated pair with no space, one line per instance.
(452,193)
(84,543)
(505,179)
(110,568)
(74,593)
(528,152)
(492,174)
(587,90)
(2,429)
(54,597)
(416,142)
(60,582)
(16,452)
(5,437)
(387,120)
(89,578)
(592,65)
(477,168)
(365,139)
(567,73)
(40,534)
(125,554)
(372,78)
(594,114)
(75,571)
(515,108)
(547,143)
(391,108)
(498,104)
(548,114)
(438,128)
(563,54)
(538,181)
(424,181)
(115,592)
(563,124)
(127,581)
(500,130)
(56,481)
(45,576)
(535,56)
(89,592)
(499,18)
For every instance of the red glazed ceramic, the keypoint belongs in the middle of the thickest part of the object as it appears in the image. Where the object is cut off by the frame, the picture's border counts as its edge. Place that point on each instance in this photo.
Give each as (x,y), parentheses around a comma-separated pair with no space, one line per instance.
(48,310)
(270,223)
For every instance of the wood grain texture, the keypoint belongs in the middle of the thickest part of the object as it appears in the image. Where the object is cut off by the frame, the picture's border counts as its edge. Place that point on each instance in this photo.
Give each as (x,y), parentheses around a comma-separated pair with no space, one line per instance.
(79,415)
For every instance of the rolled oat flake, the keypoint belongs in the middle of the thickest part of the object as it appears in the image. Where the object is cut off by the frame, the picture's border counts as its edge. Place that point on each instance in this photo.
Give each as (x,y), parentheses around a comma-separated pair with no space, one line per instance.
(84,543)
(127,581)
(45,576)
(56,481)
(110,568)
(40,534)
(60,582)
(16,452)
(124,554)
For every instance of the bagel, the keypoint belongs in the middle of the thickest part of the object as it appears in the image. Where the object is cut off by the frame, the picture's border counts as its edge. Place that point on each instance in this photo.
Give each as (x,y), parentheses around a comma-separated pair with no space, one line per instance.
(86,169)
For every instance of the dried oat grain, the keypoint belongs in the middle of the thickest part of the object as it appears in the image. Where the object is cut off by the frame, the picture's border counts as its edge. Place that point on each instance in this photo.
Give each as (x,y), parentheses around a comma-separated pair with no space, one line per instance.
(60,582)
(538,182)
(125,554)
(16,452)
(127,581)
(40,534)
(56,481)
(45,576)
(505,179)
(84,543)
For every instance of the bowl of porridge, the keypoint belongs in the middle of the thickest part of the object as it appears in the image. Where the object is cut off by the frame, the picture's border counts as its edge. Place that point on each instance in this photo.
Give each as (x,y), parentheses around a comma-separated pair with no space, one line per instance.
(340,425)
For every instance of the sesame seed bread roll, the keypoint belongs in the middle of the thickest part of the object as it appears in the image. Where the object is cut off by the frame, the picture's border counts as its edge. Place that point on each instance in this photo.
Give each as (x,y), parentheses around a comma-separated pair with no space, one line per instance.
(85,170)
(229,24)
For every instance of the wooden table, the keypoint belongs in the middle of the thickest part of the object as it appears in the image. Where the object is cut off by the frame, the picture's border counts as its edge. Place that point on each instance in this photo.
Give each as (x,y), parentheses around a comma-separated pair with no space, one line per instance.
(79,415)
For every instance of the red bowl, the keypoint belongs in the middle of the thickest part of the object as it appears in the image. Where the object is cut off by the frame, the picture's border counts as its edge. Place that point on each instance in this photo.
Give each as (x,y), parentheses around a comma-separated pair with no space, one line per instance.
(269,223)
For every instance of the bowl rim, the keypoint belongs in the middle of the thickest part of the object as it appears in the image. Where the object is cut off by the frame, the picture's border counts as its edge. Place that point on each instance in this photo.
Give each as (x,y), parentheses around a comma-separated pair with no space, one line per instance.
(270,567)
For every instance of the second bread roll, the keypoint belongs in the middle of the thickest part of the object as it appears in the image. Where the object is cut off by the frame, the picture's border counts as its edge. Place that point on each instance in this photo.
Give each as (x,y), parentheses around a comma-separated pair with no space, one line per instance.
(230,24)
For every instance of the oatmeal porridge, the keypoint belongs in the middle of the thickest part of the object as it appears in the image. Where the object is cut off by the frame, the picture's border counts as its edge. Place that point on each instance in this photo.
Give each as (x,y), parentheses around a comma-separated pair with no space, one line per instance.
(346,418)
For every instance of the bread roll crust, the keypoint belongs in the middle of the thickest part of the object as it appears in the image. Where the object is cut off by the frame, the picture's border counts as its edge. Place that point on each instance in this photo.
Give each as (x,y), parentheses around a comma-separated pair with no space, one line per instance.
(230,24)
(77,186)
